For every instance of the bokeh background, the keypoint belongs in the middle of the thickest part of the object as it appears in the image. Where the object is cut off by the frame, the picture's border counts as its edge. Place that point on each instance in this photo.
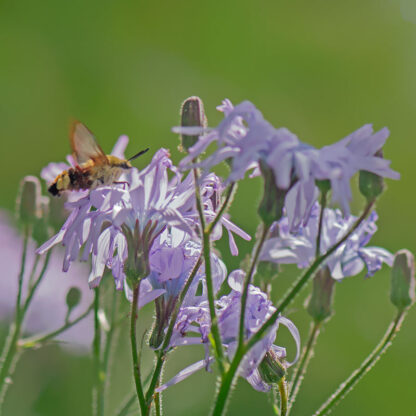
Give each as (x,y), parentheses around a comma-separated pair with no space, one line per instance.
(320,68)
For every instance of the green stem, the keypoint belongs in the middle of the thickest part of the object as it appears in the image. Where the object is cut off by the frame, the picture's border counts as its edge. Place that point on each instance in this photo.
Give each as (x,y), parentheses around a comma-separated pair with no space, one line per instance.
(134,353)
(162,352)
(365,367)
(98,390)
(33,341)
(21,274)
(208,276)
(282,386)
(35,286)
(248,280)
(320,224)
(125,410)
(302,367)
(228,377)
(10,349)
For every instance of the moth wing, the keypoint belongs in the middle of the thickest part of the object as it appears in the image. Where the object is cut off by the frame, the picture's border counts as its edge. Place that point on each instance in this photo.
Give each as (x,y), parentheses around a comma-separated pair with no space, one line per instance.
(84,145)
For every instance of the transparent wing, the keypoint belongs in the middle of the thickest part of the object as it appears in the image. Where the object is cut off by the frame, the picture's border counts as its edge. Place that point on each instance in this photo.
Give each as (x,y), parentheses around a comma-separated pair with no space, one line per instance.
(84,145)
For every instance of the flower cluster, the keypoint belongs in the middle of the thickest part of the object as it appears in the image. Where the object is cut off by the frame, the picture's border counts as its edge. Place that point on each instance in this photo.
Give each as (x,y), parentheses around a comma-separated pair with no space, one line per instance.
(118,225)
(350,257)
(196,319)
(246,139)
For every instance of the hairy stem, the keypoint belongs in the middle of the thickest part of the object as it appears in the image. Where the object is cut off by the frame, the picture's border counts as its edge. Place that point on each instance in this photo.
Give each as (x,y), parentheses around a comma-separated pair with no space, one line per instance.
(206,238)
(163,350)
(282,386)
(228,377)
(10,349)
(248,280)
(31,342)
(134,353)
(98,390)
(302,367)
(364,368)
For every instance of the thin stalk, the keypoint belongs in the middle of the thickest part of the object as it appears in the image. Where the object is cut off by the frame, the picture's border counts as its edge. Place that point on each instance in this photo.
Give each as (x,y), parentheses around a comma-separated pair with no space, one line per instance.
(125,409)
(35,286)
(98,390)
(162,352)
(302,367)
(208,276)
(10,349)
(22,273)
(31,342)
(248,280)
(364,368)
(228,377)
(135,356)
(301,282)
(282,386)
(320,224)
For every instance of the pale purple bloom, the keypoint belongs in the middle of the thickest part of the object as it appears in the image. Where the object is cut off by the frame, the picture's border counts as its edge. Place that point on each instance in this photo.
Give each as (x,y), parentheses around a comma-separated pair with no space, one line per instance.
(348,260)
(246,138)
(196,320)
(108,219)
(48,308)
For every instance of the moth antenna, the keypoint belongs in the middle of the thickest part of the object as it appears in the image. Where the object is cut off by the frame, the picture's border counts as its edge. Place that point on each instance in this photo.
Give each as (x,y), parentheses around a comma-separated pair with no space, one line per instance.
(138,154)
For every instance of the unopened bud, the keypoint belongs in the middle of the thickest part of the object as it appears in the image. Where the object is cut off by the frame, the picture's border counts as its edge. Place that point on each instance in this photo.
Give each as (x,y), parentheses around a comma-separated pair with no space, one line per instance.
(271,368)
(402,293)
(370,184)
(40,231)
(271,206)
(73,298)
(28,200)
(319,304)
(192,115)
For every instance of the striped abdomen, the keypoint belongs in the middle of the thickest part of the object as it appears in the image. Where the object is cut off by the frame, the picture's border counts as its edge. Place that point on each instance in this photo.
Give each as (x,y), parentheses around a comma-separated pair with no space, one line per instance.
(72,179)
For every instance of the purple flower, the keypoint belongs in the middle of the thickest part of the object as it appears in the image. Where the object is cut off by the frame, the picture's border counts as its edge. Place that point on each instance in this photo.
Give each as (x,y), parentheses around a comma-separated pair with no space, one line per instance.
(348,260)
(48,309)
(246,138)
(118,225)
(196,320)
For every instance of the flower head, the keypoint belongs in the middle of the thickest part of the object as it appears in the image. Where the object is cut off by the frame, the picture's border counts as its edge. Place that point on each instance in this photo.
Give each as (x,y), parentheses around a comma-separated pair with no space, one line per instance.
(196,319)
(245,139)
(348,260)
(118,225)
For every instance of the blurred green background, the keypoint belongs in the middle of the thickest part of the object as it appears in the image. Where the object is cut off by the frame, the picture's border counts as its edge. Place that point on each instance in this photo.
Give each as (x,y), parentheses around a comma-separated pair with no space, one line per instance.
(321,68)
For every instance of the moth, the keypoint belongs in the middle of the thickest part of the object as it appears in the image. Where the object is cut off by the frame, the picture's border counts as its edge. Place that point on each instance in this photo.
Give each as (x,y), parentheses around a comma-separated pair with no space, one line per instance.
(93,168)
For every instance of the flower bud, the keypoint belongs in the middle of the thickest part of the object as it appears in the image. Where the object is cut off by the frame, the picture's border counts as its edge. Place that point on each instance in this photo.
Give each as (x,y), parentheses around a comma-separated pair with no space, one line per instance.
(271,368)
(370,184)
(192,115)
(28,200)
(41,229)
(319,304)
(402,293)
(73,298)
(271,206)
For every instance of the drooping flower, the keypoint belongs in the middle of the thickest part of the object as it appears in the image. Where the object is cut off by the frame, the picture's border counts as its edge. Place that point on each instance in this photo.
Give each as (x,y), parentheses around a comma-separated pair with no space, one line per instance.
(196,320)
(348,260)
(118,225)
(245,138)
